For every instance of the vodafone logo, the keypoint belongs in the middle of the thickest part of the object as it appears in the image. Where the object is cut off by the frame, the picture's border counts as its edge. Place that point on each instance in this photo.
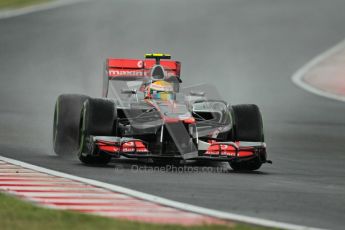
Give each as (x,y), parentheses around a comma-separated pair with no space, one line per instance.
(140,64)
(126,73)
(223,147)
(127,144)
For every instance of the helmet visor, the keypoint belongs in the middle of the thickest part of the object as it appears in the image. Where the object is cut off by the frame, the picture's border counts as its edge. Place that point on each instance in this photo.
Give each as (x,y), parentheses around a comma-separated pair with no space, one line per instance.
(162,95)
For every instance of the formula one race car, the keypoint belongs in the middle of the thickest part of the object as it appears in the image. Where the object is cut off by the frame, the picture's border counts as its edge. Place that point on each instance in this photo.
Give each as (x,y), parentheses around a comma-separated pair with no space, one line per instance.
(144,114)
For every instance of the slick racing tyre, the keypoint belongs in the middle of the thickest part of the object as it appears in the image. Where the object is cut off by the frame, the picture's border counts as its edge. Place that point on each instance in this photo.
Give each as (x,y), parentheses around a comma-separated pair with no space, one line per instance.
(248,127)
(248,123)
(97,119)
(66,123)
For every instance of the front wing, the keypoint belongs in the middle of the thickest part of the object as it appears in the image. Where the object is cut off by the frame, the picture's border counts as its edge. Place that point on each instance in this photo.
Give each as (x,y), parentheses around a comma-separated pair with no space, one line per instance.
(211,151)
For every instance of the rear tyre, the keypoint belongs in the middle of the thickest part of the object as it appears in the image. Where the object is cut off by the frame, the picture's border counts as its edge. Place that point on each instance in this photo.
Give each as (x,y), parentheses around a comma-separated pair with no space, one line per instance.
(66,123)
(248,126)
(97,119)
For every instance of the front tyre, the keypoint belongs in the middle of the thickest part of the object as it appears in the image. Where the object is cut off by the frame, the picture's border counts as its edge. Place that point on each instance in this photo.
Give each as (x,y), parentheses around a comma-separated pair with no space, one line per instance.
(251,165)
(66,123)
(248,126)
(98,118)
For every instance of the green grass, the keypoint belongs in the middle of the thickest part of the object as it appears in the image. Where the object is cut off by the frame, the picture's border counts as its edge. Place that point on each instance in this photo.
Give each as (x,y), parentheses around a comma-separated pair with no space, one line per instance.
(18,214)
(13,4)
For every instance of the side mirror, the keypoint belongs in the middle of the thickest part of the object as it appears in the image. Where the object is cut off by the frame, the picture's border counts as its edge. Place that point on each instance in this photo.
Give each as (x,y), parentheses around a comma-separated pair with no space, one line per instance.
(195,93)
(129,91)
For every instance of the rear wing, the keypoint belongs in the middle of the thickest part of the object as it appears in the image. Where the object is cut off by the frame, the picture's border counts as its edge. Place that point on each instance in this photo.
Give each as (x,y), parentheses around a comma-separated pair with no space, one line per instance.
(133,69)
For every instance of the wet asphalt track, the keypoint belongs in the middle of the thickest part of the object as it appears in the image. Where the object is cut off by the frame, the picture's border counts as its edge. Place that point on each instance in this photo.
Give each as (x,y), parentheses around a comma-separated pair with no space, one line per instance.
(248,49)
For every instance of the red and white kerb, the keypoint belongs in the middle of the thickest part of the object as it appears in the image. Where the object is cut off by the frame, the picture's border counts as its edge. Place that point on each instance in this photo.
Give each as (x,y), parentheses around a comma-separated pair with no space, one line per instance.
(61,193)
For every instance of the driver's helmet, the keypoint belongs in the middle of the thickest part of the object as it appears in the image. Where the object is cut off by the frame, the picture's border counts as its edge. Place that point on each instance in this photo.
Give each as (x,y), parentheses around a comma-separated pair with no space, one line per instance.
(161,90)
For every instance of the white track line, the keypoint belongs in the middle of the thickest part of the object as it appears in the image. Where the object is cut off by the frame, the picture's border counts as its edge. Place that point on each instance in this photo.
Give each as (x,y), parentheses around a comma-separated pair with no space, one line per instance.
(163,201)
(144,213)
(30,176)
(94,208)
(41,183)
(297,78)
(71,195)
(25,178)
(36,8)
